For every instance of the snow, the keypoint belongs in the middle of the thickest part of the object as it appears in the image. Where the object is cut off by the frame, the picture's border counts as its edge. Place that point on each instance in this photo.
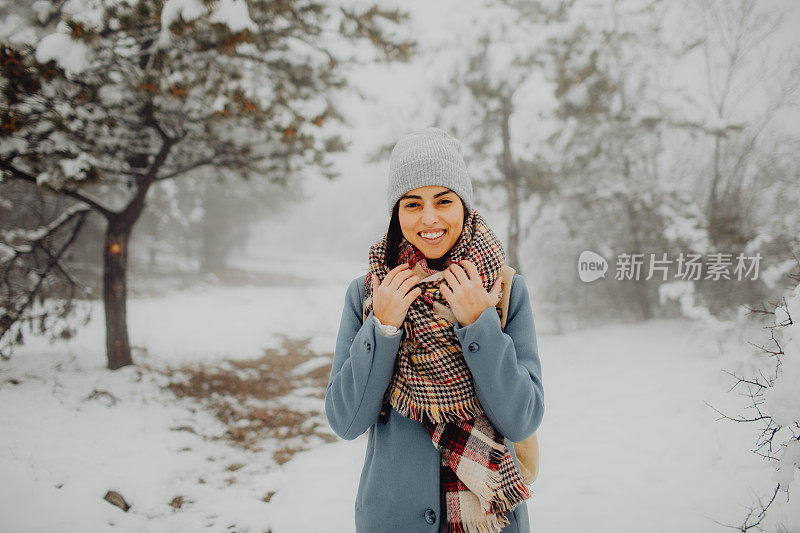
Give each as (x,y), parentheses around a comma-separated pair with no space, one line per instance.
(777,272)
(88,12)
(9,145)
(684,292)
(13,31)
(70,54)
(627,437)
(43,178)
(111,95)
(327,479)
(782,401)
(42,8)
(76,168)
(68,450)
(186,10)
(234,14)
(6,253)
(788,465)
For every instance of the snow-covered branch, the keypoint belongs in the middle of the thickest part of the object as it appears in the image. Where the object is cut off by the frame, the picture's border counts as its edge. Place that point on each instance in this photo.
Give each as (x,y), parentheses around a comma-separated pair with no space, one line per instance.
(22,279)
(776,401)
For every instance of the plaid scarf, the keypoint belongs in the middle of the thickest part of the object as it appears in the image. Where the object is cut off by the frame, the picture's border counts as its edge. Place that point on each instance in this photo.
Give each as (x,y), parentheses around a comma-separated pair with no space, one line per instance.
(432,384)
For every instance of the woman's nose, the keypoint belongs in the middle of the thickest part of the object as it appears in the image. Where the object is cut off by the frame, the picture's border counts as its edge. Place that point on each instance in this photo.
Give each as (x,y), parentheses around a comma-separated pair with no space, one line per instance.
(429,216)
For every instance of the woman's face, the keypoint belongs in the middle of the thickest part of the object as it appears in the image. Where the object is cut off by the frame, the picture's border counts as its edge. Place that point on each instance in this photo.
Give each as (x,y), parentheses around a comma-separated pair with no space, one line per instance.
(431,218)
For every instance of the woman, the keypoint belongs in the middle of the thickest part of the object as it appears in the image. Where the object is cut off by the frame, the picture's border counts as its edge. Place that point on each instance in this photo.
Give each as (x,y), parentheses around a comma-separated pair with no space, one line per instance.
(442,388)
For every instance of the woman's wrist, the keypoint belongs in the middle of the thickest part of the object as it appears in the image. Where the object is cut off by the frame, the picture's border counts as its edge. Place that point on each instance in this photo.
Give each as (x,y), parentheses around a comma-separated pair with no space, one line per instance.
(387,329)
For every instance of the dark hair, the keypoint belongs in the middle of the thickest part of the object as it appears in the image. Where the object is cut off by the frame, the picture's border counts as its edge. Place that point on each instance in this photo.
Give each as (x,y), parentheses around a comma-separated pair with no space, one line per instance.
(395,234)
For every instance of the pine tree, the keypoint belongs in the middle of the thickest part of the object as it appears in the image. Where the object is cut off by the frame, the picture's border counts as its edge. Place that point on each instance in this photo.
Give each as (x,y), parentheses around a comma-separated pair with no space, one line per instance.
(101,99)
(484,100)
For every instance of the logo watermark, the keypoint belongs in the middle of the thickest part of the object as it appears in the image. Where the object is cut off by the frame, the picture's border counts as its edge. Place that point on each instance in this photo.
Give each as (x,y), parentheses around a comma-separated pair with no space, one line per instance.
(684,266)
(591,266)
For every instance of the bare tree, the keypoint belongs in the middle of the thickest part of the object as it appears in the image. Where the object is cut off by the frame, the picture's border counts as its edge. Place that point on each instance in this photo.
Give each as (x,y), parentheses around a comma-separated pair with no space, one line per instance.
(775,433)
(735,65)
(478,102)
(33,263)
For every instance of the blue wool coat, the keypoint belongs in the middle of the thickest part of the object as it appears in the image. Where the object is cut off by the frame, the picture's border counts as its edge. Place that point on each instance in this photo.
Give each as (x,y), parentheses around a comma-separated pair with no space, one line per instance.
(399,489)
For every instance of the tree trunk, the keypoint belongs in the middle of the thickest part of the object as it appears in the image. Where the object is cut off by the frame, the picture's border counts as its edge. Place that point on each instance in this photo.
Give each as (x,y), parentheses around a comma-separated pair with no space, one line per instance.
(115,294)
(640,289)
(713,222)
(511,179)
(213,248)
(115,254)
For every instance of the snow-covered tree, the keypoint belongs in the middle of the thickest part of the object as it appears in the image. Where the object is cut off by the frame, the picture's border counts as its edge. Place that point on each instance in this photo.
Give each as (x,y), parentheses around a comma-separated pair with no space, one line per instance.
(623,151)
(772,387)
(747,83)
(101,99)
(489,97)
(725,139)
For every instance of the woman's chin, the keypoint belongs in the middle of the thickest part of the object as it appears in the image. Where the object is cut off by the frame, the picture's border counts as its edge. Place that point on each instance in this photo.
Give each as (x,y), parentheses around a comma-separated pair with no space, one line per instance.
(432,253)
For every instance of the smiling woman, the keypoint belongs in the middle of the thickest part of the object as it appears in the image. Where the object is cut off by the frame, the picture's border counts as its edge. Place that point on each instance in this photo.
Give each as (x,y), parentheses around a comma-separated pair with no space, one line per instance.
(421,358)
(432,217)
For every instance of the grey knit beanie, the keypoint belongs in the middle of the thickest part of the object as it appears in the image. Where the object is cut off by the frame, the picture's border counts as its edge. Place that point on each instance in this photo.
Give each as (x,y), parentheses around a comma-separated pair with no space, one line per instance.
(428,157)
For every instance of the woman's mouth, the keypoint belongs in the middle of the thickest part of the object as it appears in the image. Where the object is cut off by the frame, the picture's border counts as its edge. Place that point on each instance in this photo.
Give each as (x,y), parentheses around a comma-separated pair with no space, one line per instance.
(432,237)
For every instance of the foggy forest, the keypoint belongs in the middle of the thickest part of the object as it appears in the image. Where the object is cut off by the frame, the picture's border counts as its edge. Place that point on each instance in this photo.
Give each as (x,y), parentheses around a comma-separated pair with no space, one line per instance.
(188,188)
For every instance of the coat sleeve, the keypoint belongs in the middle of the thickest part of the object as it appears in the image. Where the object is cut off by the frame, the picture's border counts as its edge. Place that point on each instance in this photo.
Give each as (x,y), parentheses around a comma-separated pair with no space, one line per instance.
(505,365)
(363,362)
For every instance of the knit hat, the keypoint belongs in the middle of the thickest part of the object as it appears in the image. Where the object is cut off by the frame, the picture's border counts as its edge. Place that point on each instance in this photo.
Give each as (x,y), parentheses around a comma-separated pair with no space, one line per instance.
(428,157)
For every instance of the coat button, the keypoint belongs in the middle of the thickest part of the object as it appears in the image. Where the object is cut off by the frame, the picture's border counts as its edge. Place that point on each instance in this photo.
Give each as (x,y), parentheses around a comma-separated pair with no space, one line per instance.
(430,516)
(368,346)
(473,347)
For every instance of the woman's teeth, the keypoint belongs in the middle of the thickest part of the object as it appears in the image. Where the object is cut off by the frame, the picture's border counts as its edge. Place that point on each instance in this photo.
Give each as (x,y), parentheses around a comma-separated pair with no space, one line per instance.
(433,235)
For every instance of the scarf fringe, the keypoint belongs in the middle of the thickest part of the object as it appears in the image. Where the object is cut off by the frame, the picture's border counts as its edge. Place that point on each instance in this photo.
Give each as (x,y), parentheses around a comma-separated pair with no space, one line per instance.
(491,490)
(407,409)
(507,500)
(485,489)
(489,524)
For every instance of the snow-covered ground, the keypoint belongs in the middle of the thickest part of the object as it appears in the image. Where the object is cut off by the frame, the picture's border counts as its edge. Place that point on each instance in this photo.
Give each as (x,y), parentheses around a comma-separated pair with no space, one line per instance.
(627,444)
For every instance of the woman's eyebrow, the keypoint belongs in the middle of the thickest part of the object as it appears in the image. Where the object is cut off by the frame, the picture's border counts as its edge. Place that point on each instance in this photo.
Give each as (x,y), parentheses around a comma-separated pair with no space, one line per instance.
(437,195)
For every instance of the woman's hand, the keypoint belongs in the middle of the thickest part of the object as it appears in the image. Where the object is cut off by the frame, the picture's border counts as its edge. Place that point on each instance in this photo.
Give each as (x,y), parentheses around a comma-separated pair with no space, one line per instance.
(392,297)
(465,294)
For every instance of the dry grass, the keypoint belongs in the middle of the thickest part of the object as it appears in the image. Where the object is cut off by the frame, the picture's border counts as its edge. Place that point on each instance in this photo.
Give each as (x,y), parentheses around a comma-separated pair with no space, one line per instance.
(231,389)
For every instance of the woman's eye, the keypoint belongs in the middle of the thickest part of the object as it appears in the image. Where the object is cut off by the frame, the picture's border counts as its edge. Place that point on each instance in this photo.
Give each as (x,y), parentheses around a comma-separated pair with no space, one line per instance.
(443,201)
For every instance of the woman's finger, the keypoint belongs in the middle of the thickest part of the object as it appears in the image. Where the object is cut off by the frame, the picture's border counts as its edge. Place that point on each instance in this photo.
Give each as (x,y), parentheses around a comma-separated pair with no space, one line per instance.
(471,269)
(400,278)
(451,279)
(408,284)
(393,272)
(412,295)
(459,272)
(446,292)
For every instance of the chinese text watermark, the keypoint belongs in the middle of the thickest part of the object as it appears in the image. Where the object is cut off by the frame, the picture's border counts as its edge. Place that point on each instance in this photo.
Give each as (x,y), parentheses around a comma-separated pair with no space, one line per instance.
(684,266)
